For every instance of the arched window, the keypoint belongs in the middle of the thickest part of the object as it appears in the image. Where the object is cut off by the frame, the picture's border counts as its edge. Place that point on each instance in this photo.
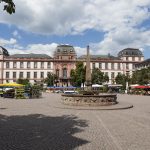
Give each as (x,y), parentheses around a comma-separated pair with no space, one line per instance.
(64,72)
(57,72)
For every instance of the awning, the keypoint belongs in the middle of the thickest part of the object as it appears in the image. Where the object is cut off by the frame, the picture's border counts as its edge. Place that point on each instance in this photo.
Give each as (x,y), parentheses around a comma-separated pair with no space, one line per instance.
(142,87)
(11,85)
(96,85)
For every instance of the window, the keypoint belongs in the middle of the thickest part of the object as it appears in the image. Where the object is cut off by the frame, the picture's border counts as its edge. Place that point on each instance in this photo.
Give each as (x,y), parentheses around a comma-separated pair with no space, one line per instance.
(112,65)
(7,74)
(100,65)
(48,73)
(64,73)
(93,65)
(14,64)
(28,75)
(127,73)
(21,75)
(14,74)
(28,64)
(21,64)
(42,74)
(49,65)
(112,75)
(7,64)
(106,73)
(35,74)
(35,64)
(133,58)
(106,65)
(57,72)
(127,66)
(42,64)
(119,67)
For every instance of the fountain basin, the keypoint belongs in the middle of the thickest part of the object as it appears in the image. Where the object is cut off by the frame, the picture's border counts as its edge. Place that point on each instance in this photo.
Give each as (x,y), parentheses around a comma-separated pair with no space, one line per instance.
(89,100)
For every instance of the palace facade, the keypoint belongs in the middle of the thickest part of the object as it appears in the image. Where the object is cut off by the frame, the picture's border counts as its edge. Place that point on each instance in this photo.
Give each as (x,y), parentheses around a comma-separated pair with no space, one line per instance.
(35,67)
(143,64)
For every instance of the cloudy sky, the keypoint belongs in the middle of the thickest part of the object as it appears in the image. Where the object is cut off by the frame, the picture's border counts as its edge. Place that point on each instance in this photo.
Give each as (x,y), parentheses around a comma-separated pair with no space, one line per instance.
(108,26)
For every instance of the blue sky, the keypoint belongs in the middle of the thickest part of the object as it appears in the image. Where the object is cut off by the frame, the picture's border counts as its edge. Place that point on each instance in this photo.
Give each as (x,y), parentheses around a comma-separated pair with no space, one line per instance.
(108,26)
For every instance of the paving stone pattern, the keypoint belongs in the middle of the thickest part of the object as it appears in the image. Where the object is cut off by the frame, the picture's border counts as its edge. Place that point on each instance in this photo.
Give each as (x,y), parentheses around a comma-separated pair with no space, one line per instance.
(36,124)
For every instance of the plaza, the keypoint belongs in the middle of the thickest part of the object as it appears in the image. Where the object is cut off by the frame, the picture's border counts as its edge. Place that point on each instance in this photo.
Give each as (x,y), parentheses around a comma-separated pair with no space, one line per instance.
(46,124)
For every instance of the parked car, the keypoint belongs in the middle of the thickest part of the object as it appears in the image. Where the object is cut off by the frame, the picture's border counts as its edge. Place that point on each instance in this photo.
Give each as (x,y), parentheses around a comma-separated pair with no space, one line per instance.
(70,92)
(9,93)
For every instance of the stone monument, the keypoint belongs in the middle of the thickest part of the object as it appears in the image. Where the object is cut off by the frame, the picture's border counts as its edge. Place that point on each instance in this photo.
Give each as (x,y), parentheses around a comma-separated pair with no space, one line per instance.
(87,98)
(88,82)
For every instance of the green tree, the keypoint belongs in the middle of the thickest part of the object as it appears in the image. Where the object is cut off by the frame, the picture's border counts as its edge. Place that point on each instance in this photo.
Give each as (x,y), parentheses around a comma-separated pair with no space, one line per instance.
(105,78)
(97,76)
(122,79)
(51,79)
(23,81)
(73,77)
(141,77)
(9,6)
(78,75)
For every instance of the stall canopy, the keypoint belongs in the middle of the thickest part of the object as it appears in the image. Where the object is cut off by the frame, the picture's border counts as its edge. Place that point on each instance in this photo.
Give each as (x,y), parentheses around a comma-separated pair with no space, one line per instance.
(96,85)
(142,87)
(11,85)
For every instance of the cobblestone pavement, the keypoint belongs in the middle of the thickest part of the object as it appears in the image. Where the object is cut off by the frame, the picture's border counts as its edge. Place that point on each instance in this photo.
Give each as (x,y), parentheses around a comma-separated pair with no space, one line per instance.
(36,124)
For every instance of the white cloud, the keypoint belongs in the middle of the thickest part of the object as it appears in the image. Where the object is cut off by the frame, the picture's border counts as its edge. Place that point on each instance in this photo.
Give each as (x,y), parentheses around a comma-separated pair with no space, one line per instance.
(34,48)
(16,34)
(121,38)
(119,20)
(11,41)
(63,17)
(39,49)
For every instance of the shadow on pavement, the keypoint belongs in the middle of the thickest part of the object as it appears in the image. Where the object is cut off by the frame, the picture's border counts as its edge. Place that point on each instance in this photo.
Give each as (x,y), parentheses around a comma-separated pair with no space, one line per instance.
(39,132)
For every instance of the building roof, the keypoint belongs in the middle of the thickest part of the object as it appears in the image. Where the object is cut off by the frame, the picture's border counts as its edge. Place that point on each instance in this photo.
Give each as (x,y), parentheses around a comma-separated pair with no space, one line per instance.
(145,62)
(36,56)
(130,52)
(64,49)
(3,51)
(99,57)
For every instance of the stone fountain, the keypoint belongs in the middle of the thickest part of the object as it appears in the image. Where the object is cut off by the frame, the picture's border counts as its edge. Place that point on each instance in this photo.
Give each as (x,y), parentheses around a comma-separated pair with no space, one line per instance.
(88,98)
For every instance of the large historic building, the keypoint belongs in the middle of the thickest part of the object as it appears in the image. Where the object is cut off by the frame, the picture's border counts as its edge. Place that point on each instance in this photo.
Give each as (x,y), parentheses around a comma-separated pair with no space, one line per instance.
(35,67)
(65,58)
(143,64)
(31,66)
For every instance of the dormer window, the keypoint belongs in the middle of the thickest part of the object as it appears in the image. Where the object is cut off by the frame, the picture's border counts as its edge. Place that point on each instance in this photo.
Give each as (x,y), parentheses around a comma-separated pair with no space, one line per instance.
(65,51)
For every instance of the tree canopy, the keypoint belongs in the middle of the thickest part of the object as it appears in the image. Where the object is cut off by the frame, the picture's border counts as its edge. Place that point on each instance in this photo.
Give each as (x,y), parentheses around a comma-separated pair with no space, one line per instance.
(122,79)
(9,6)
(99,77)
(50,80)
(78,75)
(141,77)
(23,81)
